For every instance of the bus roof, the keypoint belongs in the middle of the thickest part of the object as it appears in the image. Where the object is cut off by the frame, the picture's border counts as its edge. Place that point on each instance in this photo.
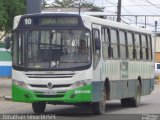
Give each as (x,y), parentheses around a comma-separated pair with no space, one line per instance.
(114,24)
(96,20)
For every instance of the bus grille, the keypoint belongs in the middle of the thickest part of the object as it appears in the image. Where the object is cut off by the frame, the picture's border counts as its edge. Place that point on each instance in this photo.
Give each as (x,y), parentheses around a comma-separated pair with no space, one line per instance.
(54,86)
(49,96)
(42,95)
(70,75)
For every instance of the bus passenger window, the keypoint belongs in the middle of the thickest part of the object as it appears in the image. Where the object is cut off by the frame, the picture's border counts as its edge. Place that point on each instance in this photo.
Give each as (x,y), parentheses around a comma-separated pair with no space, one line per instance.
(130,45)
(123,46)
(95,38)
(144,47)
(149,47)
(96,52)
(137,46)
(105,43)
(114,44)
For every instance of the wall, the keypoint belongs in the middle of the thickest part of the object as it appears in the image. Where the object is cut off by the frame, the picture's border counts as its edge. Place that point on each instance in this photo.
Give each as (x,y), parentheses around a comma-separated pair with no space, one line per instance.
(157,56)
(5,62)
(158,44)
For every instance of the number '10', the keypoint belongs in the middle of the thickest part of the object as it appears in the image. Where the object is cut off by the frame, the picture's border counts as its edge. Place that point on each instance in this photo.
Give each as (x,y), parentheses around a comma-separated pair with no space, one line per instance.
(28,21)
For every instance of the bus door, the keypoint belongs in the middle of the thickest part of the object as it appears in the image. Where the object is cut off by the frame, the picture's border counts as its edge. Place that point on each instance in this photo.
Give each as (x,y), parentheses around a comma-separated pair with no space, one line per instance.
(96,29)
(97,79)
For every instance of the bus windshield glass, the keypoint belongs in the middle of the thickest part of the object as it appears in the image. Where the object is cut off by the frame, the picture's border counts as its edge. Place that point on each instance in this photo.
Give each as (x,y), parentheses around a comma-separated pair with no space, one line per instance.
(53,49)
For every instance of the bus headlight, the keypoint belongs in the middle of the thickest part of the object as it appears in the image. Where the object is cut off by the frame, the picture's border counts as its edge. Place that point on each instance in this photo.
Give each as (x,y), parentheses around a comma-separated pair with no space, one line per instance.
(20,83)
(81,83)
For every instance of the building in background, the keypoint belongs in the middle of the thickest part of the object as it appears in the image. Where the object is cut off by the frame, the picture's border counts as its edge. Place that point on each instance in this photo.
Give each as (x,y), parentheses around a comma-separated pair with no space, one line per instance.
(157,57)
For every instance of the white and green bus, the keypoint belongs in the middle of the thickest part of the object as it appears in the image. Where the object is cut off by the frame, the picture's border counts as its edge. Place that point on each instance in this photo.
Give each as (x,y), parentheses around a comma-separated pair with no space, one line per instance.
(49,67)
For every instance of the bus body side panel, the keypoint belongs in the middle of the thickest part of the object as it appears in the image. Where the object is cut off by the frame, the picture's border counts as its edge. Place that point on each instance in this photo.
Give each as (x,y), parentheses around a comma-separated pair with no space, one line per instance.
(147,86)
(127,88)
(121,87)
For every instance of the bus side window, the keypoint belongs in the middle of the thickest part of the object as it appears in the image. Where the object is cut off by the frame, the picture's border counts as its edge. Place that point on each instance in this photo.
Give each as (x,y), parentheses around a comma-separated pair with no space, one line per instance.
(131,50)
(96,52)
(137,45)
(134,53)
(123,45)
(106,47)
(95,38)
(114,44)
(149,47)
(144,46)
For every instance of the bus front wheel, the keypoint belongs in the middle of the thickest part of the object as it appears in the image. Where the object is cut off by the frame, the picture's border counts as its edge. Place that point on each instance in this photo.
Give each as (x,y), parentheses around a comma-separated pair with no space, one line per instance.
(39,107)
(99,108)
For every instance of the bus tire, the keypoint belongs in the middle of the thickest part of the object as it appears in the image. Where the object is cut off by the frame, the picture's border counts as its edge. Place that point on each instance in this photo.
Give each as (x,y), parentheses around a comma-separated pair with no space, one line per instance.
(135,102)
(38,107)
(99,108)
(125,102)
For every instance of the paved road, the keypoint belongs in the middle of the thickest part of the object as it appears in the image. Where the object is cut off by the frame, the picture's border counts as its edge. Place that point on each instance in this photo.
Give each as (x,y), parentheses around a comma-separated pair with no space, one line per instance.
(149,105)
(5,86)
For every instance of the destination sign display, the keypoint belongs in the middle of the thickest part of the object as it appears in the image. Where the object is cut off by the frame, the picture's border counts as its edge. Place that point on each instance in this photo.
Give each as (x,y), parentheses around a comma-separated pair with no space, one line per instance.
(59,21)
(50,21)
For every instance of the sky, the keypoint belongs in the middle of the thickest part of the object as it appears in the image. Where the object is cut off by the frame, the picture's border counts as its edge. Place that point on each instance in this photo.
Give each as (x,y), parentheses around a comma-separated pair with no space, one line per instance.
(131,7)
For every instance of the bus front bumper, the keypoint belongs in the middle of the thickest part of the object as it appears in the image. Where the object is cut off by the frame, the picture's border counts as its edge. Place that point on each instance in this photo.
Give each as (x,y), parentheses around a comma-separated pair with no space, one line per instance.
(78,95)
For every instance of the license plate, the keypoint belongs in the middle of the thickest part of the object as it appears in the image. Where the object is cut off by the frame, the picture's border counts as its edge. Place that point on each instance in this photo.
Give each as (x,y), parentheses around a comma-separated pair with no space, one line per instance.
(50,93)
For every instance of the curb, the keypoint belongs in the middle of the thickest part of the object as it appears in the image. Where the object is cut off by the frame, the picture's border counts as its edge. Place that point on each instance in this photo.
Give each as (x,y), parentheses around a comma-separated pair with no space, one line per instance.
(157,81)
(8,98)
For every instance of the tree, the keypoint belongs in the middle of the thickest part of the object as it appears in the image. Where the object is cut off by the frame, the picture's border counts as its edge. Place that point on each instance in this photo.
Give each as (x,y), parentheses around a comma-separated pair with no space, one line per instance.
(44,3)
(2,15)
(86,4)
(8,10)
(64,3)
(74,4)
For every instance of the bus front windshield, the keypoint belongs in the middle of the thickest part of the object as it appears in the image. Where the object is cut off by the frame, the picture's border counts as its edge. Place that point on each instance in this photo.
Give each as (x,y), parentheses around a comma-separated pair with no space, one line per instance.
(53,49)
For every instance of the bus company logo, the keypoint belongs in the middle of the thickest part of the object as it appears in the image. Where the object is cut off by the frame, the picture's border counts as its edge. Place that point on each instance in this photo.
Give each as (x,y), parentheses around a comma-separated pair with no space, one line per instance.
(49,85)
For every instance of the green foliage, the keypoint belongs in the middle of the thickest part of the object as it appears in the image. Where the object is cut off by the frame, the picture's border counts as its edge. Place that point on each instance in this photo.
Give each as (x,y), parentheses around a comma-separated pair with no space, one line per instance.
(74,4)
(43,4)
(64,3)
(8,10)
(2,16)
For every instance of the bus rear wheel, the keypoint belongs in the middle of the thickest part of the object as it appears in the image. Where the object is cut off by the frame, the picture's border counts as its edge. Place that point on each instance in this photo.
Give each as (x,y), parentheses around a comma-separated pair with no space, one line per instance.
(39,107)
(132,102)
(99,108)
(125,102)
